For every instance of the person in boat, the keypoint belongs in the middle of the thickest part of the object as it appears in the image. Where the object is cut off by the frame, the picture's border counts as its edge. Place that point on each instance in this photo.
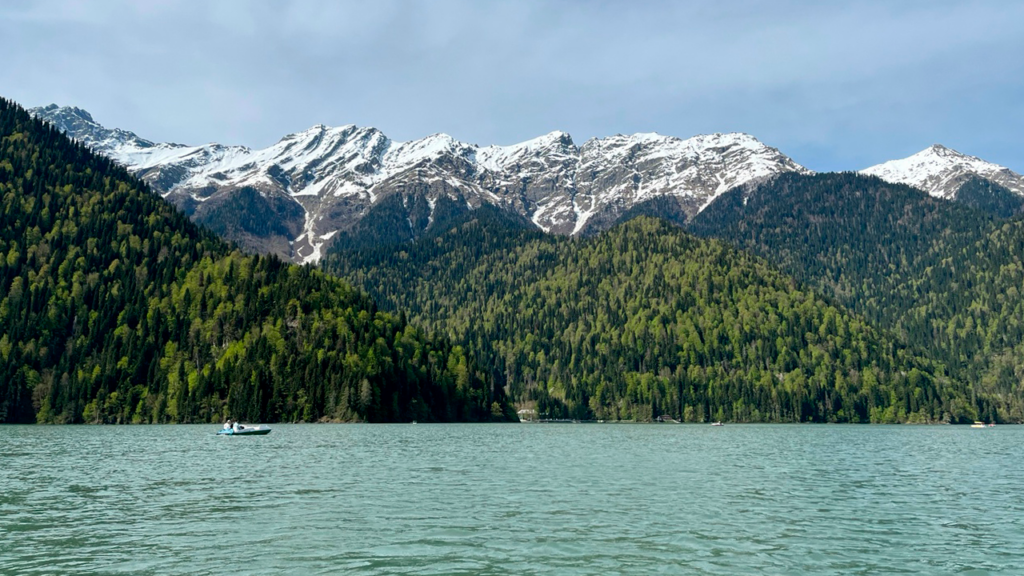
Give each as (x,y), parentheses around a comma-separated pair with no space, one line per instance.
(227,424)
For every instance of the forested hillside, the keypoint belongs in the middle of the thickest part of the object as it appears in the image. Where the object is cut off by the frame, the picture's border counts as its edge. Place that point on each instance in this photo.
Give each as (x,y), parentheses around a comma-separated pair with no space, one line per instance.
(115,308)
(989,197)
(648,320)
(399,218)
(854,237)
(944,277)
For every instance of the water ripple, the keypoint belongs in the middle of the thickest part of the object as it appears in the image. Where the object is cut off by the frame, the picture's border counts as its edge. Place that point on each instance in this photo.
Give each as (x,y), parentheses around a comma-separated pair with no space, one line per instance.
(465,499)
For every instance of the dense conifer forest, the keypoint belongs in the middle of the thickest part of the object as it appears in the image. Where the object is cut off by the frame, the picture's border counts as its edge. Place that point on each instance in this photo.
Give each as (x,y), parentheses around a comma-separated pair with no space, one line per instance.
(943,276)
(115,308)
(989,197)
(647,320)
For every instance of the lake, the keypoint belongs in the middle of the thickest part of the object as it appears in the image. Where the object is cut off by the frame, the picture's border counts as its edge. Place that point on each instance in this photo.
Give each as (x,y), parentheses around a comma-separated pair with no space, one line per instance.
(512,499)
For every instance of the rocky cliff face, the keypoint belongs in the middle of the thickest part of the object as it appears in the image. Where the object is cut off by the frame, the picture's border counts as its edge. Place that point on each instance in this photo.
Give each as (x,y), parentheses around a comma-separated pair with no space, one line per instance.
(294,196)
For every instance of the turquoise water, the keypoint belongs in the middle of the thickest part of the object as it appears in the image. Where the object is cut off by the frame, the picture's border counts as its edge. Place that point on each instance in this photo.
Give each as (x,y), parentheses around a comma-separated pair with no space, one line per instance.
(512,499)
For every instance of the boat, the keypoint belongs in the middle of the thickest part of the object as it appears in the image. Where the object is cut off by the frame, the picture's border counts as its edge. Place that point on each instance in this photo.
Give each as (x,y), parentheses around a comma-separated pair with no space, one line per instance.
(245,430)
(717,424)
(978,425)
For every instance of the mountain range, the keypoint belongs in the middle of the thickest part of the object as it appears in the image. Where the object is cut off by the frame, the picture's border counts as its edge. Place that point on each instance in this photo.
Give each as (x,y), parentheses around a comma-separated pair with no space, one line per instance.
(292,198)
(790,296)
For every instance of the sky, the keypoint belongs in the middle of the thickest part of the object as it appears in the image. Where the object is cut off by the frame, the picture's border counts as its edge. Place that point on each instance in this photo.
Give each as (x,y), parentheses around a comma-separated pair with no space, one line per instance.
(834,85)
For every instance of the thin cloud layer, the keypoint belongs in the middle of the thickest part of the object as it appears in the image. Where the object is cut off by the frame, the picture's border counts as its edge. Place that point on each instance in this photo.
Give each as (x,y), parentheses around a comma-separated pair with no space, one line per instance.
(836,86)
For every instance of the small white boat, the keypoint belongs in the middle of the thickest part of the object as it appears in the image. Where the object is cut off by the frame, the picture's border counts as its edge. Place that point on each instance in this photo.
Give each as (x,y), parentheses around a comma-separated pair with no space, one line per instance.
(717,424)
(244,430)
(979,425)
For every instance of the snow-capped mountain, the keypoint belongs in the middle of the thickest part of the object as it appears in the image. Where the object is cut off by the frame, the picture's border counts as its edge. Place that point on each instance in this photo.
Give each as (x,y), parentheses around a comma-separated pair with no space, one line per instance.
(941,171)
(293,197)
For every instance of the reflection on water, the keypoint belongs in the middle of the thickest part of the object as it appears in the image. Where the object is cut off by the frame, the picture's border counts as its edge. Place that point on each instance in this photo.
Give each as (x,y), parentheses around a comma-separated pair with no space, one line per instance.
(525,499)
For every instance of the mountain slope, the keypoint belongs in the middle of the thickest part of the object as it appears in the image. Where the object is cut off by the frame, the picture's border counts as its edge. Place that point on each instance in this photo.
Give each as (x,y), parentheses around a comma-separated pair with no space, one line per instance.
(969,309)
(852,236)
(944,277)
(646,320)
(334,176)
(941,172)
(989,197)
(115,308)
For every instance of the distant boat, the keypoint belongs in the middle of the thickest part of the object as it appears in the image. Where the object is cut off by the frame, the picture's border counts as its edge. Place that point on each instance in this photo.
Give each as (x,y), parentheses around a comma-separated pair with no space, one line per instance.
(526,415)
(245,430)
(717,424)
(978,425)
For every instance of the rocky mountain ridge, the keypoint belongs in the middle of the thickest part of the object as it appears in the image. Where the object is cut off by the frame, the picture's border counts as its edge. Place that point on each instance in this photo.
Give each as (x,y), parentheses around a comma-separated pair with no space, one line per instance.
(294,196)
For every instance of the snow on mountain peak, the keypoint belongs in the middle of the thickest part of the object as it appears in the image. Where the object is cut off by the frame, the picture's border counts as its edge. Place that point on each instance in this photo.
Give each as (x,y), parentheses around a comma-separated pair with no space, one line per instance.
(80,125)
(69,111)
(499,159)
(940,171)
(337,173)
(404,155)
(551,139)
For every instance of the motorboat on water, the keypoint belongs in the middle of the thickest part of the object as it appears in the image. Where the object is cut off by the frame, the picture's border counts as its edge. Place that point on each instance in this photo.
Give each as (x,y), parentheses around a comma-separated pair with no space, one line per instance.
(237,429)
(978,425)
(717,424)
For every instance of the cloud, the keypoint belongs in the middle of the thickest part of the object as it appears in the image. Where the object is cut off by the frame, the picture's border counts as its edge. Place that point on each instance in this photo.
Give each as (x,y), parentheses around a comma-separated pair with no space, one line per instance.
(835,85)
